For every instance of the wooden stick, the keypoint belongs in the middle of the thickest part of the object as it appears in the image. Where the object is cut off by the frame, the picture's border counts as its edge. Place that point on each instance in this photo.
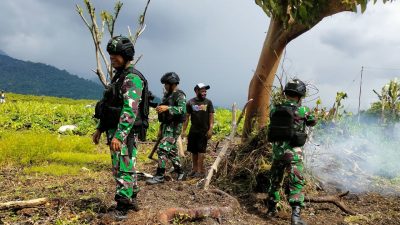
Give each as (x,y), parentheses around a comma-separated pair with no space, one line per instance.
(23,204)
(179,145)
(155,147)
(222,153)
(334,199)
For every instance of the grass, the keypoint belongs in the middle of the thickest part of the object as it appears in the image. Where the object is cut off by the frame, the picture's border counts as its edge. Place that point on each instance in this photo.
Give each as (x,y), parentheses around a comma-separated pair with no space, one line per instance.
(29,137)
(12,97)
(48,153)
(55,169)
(80,158)
(44,152)
(30,147)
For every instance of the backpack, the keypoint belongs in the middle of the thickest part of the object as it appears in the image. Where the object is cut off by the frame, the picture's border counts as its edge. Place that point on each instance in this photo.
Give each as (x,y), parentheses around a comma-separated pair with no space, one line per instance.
(282,126)
(142,121)
(108,109)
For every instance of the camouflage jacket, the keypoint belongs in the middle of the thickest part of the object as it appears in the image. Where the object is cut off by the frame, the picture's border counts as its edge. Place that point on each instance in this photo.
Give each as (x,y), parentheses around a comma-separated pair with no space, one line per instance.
(178,107)
(131,92)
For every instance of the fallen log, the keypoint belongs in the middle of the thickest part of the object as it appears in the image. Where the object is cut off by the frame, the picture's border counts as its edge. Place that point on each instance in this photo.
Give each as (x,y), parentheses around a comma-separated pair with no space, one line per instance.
(334,199)
(222,153)
(23,204)
(192,214)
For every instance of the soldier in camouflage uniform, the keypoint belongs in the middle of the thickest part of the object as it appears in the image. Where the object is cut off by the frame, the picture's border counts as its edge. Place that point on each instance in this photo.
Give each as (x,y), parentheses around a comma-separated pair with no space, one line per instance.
(287,158)
(122,98)
(171,114)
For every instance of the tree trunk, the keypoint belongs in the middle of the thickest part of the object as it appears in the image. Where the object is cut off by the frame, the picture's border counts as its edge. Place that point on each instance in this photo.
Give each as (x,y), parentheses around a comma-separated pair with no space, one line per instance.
(263,78)
(261,84)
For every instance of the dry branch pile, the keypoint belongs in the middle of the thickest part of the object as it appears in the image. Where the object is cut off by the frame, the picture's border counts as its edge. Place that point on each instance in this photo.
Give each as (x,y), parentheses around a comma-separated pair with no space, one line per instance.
(246,166)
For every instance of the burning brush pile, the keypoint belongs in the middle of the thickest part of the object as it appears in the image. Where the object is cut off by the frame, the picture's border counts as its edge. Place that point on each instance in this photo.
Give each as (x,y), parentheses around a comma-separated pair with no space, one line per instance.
(359,157)
(339,156)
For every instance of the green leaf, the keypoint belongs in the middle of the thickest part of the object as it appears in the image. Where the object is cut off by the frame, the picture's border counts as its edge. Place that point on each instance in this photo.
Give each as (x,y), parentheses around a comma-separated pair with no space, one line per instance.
(363,5)
(303,12)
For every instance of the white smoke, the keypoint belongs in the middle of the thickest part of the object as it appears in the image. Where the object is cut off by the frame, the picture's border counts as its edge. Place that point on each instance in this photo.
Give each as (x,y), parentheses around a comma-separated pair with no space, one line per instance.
(359,157)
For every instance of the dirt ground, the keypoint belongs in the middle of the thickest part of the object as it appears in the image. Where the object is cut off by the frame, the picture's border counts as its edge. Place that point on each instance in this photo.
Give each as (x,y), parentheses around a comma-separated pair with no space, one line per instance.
(88,199)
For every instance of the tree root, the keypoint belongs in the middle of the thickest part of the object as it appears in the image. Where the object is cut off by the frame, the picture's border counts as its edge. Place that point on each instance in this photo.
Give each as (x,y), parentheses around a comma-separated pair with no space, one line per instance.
(192,214)
(23,204)
(235,202)
(334,199)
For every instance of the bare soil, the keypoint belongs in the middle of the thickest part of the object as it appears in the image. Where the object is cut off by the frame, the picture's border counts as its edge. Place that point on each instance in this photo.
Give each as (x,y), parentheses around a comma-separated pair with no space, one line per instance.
(88,199)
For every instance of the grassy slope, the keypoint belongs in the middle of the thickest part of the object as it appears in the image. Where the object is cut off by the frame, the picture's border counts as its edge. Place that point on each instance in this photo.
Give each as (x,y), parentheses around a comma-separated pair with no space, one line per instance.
(29,137)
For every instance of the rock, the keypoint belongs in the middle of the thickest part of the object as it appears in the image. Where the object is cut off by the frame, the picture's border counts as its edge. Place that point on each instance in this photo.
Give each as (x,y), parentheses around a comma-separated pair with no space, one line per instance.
(66,128)
(84,169)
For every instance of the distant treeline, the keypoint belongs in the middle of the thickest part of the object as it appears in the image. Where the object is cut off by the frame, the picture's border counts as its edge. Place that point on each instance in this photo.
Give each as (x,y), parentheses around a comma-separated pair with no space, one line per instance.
(40,79)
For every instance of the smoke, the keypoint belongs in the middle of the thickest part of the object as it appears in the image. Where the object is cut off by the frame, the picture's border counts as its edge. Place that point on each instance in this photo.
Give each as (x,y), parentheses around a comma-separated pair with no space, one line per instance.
(359,157)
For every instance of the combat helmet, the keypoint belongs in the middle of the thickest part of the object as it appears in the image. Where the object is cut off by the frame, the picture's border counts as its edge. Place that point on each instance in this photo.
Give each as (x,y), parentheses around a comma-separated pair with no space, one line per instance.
(295,87)
(170,78)
(121,45)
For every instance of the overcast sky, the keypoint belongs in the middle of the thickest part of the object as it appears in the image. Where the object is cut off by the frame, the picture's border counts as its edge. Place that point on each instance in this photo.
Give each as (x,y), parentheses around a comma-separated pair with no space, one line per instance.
(217,42)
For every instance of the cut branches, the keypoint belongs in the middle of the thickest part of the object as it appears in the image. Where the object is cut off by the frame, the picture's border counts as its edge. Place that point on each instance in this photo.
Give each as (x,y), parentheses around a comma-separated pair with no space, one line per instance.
(23,204)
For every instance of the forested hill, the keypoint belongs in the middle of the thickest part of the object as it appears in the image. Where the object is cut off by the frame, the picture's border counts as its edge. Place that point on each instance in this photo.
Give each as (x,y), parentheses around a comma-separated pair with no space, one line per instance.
(40,79)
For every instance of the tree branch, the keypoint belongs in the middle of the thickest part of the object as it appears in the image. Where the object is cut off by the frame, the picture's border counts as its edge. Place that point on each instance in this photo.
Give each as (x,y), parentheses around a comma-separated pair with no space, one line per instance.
(23,204)
(142,26)
(334,199)
(222,153)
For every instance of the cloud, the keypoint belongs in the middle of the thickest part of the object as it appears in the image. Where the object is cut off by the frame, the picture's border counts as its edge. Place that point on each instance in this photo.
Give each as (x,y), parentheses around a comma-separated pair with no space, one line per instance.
(215,42)
(331,54)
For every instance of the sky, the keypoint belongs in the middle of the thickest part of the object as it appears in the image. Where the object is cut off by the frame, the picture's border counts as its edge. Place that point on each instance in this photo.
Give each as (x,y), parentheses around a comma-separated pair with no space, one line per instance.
(217,42)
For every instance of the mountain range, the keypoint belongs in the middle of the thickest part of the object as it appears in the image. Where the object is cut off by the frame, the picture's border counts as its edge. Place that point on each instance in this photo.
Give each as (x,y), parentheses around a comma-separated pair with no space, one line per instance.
(26,77)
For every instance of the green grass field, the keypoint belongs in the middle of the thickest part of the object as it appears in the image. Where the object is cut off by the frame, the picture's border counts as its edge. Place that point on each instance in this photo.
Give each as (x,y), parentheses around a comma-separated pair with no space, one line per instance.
(29,136)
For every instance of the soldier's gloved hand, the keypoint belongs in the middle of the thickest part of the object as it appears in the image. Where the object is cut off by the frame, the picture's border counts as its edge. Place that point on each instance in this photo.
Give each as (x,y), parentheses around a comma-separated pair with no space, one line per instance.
(115,145)
(96,136)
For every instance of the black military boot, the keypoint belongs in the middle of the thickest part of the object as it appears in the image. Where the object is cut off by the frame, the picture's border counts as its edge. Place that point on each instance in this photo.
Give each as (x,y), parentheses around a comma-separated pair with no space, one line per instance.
(124,205)
(272,210)
(158,178)
(180,173)
(296,220)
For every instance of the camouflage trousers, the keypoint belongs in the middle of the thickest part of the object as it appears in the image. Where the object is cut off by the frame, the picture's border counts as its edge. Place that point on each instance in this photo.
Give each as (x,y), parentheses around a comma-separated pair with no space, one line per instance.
(124,168)
(167,148)
(290,160)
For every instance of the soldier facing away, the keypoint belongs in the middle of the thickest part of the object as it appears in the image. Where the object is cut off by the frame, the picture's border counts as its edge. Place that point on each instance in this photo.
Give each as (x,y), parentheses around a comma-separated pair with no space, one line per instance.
(200,111)
(118,112)
(171,114)
(287,133)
